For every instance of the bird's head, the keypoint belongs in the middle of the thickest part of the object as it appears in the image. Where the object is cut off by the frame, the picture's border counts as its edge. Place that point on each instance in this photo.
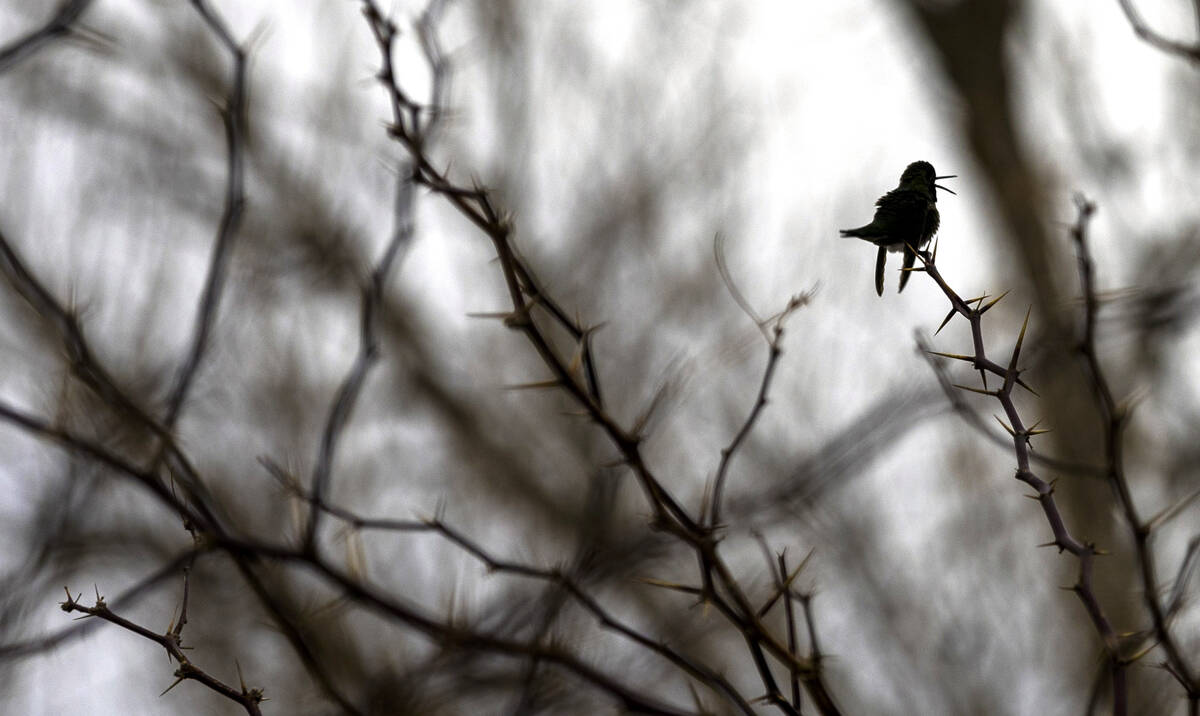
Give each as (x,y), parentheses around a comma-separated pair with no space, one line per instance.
(921,176)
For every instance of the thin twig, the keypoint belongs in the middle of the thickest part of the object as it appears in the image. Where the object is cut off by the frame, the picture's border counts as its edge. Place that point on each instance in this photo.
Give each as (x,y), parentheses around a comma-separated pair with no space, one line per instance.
(790,616)
(60,25)
(368,353)
(127,598)
(450,635)
(249,699)
(774,338)
(233,115)
(98,453)
(701,673)
(1186,567)
(96,377)
(436,525)
(1151,37)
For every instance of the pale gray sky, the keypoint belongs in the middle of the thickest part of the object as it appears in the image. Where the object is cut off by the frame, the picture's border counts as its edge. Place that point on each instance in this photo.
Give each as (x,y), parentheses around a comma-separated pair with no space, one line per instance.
(822,105)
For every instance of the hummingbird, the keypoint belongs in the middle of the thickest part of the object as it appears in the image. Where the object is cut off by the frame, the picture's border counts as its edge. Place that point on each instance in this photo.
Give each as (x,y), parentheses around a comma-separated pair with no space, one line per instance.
(905,219)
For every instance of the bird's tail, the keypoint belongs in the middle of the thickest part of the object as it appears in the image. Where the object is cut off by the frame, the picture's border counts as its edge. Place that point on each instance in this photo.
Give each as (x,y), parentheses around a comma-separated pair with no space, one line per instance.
(880,262)
(852,233)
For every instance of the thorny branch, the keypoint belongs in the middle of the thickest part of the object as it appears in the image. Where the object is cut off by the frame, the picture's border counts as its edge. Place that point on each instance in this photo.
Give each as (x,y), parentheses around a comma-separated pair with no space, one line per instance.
(721,588)
(1114,418)
(173,643)
(1010,375)
(783,578)
(128,597)
(88,370)
(234,115)
(450,634)
(197,508)
(569,583)
(411,127)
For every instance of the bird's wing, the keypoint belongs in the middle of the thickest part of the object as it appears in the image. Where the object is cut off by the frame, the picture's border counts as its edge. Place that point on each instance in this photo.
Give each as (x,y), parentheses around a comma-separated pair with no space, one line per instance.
(932,221)
(903,208)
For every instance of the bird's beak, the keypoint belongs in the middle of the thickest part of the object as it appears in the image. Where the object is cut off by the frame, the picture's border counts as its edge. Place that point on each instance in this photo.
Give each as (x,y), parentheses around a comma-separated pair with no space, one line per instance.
(939,186)
(947,176)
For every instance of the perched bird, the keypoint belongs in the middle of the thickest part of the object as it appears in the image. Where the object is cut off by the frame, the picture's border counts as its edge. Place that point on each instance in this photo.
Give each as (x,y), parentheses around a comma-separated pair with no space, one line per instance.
(905,219)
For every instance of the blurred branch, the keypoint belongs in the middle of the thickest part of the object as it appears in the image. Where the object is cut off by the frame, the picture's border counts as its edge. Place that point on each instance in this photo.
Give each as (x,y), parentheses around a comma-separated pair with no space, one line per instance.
(199,513)
(1186,567)
(1115,417)
(61,24)
(843,456)
(774,337)
(97,453)
(91,373)
(368,353)
(790,617)
(449,635)
(1149,36)
(475,204)
(234,117)
(701,673)
(294,629)
(970,36)
(438,526)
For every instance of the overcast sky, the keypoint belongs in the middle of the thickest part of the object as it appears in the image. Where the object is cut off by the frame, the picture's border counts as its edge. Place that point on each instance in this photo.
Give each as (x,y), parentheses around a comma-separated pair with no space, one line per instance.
(823,103)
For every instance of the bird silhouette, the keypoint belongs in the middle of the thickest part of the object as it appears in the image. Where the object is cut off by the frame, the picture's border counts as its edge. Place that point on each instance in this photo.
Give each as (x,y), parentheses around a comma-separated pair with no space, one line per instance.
(906,218)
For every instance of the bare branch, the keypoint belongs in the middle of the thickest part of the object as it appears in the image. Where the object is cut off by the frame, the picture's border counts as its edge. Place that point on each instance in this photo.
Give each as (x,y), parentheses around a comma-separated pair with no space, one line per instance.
(1114,420)
(1084,552)
(774,351)
(368,353)
(1153,38)
(61,24)
(127,598)
(475,204)
(234,116)
(249,699)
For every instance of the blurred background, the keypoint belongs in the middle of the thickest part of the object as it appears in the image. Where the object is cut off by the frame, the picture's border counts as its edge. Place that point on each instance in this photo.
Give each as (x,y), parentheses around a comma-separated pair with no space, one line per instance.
(622,137)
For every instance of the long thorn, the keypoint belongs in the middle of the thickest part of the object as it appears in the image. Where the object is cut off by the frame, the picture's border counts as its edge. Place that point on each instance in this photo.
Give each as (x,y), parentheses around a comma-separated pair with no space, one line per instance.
(1012,364)
(981,391)
(955,356)
(540,385)
(994,301)
(1004,425)
(946,320)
